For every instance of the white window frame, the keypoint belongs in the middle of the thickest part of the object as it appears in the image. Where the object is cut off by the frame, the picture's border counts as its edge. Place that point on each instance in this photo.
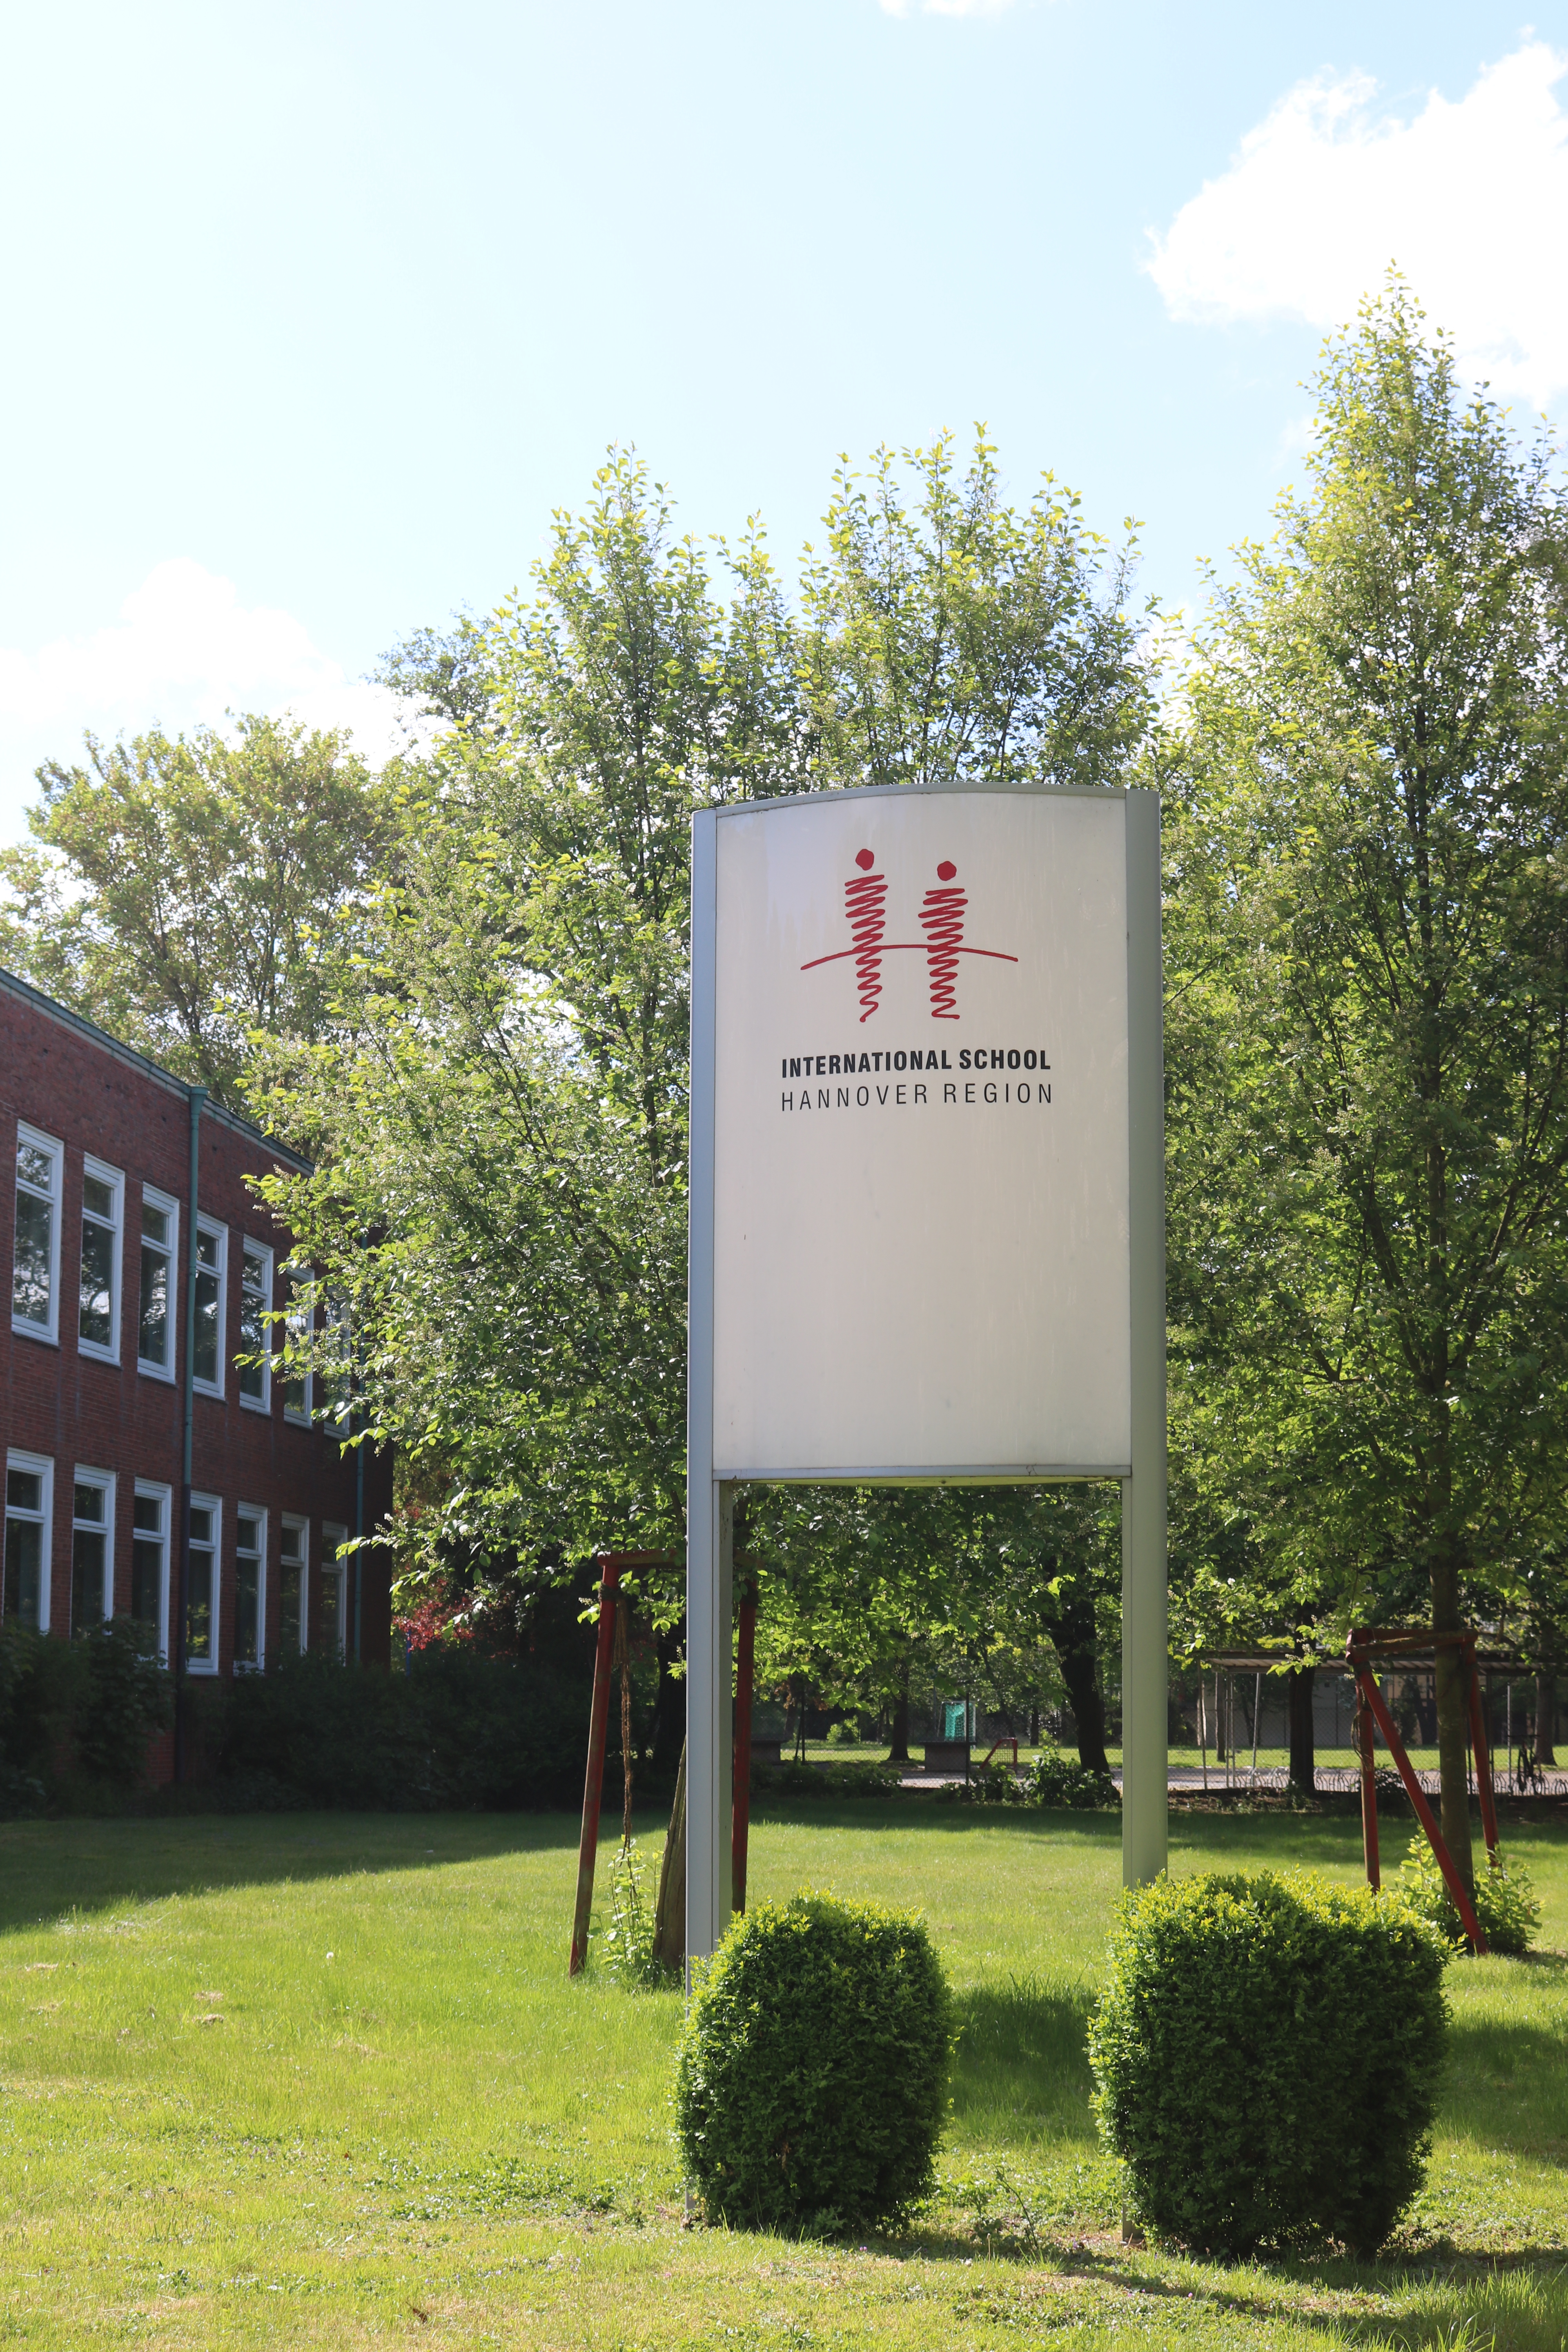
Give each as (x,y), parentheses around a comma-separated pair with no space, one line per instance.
(258,1664)
(150,1490)
(208,1228)
(102,1172)
(334,1533)
(206,1666)
(153,1199)
(263,1403)
(105,1481)
(287,1520)
(300,1314)
(42,1467)
(55,1152)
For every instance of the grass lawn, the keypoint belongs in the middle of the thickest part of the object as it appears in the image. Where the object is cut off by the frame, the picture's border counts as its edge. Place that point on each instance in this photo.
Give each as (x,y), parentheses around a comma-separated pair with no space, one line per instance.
(321,2079)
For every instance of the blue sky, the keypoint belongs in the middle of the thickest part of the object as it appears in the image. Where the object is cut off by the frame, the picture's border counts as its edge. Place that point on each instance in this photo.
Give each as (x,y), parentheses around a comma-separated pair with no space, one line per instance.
(312,314)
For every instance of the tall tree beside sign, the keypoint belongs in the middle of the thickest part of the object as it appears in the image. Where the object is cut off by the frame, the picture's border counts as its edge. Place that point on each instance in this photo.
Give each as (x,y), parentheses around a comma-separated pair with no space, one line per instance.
(1370,1174)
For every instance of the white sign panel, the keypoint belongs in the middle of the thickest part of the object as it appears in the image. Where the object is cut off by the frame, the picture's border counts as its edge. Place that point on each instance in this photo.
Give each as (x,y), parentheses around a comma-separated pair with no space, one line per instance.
(920,1142)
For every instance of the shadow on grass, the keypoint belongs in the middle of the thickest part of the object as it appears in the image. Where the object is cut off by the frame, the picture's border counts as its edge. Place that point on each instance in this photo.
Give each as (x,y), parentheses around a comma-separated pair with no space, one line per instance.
(1506,2084)
(1021,2069)
(1420,2302)
(1212,1840)
(50,1869)
(920,1811)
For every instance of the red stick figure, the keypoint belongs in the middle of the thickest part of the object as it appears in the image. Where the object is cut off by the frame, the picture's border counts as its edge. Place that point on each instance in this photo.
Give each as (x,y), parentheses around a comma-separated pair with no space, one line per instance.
(942,920)
(865,903)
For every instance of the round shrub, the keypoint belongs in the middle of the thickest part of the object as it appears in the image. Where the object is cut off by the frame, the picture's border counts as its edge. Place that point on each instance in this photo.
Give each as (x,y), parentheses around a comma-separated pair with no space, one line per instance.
(1267,2053)
(811,2083)
(1505,1902)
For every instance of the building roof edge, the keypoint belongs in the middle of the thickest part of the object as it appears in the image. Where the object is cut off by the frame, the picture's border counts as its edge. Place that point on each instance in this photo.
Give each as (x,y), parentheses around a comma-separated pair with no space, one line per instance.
(16,986)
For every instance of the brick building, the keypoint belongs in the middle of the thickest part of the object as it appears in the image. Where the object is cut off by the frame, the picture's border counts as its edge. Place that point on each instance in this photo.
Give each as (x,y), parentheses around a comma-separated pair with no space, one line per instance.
(97,1381)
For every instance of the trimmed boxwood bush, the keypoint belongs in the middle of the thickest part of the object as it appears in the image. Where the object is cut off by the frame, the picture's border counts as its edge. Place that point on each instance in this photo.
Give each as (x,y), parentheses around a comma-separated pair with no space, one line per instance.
(1266,2053)
(811,2084)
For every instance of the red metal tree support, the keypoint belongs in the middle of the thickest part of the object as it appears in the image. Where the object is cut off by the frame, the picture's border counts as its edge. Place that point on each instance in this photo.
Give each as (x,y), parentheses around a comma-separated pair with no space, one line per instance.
(1364,1644)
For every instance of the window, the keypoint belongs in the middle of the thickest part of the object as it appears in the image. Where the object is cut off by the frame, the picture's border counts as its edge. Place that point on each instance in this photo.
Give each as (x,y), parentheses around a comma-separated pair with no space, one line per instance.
(334,1591)
(202,1585)
(255,1332)
(98,1303)
(159,1239)
(150,1562)
(293,1619)
(92,1550)
(36,1268)
(29,1497)
(299,1317)
(249,1587)
(212,1266)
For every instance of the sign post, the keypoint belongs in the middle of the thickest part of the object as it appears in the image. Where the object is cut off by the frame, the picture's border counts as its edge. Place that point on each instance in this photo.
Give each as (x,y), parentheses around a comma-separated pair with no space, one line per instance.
(927,1231)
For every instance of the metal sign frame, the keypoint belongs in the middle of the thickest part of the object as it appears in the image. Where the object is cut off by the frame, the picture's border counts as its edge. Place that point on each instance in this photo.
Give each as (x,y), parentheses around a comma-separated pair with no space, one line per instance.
(710,1500)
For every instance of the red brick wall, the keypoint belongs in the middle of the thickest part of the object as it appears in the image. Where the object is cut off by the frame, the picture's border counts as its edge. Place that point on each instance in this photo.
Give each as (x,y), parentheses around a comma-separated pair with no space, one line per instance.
(56,1400)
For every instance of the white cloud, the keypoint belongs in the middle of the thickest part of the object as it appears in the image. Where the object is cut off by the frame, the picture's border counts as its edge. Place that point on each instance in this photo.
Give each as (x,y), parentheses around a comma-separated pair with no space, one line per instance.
(1470,198)
(184,652)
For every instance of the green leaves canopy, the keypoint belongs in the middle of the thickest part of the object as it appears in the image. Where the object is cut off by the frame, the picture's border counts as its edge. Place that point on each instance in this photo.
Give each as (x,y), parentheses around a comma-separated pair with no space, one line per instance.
(1369,1029)
(187,892)
(502,1203)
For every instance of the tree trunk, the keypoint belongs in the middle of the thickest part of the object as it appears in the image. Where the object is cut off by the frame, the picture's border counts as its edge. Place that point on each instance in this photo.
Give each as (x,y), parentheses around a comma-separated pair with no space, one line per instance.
(1453,1723)
(1300,1684)
(669,1912)
(899,1745)
(669,1705)
(1071,1624)
(1545,1713)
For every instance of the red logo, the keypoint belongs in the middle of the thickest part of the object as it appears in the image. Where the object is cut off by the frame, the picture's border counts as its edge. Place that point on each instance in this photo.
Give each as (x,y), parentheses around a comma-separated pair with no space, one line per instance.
(940,918)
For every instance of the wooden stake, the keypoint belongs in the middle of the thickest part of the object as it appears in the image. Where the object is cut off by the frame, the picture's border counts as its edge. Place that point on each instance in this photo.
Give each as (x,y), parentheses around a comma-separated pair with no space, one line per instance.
(593,1783)
(1483,1760)
(1363,1731)
(669,1911)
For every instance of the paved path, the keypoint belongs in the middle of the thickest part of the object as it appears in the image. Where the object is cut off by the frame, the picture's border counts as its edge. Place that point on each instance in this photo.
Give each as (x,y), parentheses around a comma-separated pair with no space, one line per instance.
(1330,1778)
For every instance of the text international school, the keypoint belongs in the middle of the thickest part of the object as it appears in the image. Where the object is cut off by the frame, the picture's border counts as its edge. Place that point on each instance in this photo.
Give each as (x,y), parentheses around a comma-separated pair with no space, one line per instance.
(848,1066)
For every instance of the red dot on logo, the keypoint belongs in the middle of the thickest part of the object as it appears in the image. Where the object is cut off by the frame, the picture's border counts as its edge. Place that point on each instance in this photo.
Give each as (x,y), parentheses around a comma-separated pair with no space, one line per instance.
(946,870)
(864,860)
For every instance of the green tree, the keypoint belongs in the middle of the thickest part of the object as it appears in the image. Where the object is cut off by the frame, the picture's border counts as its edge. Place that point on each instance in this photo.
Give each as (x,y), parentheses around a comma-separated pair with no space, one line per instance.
(869,1592)
(1369,1010)
(501,1201)
(186,892)
(501,1197)
(960,639)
